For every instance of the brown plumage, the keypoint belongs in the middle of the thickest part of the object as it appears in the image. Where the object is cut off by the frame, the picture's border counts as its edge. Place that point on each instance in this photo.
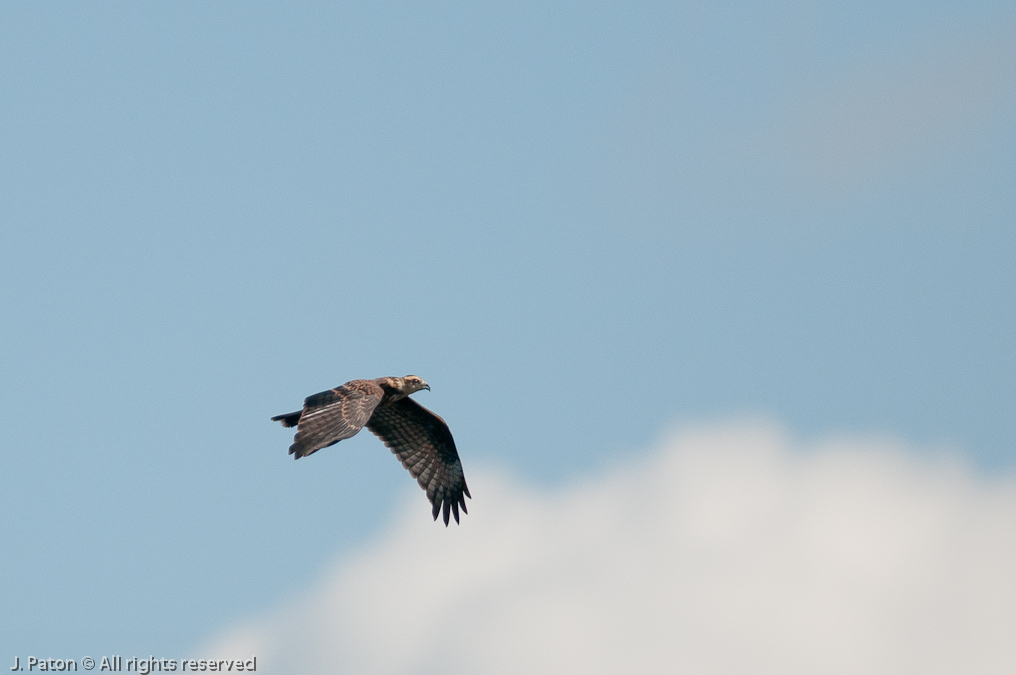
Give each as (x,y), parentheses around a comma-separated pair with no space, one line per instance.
(419,438)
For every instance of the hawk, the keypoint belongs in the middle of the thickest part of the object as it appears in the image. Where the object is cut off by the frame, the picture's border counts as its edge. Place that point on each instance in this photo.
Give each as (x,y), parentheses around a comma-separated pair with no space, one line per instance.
(419,438)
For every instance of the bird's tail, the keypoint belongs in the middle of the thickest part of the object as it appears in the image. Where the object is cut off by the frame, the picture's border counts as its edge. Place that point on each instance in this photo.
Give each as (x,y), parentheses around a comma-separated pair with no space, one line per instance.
(289,420)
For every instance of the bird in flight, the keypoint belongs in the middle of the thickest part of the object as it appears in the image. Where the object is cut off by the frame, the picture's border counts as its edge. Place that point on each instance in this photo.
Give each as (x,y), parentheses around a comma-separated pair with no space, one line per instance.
(418,437)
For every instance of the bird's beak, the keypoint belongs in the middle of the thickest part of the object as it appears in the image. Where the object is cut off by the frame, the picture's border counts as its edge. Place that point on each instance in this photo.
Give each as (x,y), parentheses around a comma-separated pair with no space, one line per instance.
(427,387)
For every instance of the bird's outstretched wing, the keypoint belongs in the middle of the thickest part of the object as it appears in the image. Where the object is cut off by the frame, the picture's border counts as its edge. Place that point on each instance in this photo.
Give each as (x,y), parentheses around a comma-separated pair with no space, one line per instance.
(422,442)
(333,415)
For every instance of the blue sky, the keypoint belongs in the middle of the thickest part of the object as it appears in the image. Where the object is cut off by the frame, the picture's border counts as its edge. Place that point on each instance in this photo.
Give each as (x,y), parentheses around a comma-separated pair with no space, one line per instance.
(581,223)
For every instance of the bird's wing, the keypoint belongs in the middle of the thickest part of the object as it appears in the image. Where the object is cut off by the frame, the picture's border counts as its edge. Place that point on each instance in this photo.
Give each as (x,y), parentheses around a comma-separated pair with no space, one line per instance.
(333,415)
(422,442)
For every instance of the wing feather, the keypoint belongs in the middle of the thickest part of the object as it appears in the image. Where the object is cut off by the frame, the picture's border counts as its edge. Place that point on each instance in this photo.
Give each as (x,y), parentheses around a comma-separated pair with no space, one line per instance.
(330,416)
(423,443)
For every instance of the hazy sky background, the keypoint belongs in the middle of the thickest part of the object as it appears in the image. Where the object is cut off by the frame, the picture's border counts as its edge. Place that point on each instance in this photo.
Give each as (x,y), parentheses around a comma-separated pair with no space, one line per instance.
(582,224)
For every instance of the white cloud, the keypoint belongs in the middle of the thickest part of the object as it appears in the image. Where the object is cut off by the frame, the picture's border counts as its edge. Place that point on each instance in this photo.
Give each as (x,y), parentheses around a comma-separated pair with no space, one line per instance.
(727,551)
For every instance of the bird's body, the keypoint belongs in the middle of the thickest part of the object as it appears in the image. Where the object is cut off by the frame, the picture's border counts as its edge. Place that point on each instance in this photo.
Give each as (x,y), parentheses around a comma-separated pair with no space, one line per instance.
(418,437)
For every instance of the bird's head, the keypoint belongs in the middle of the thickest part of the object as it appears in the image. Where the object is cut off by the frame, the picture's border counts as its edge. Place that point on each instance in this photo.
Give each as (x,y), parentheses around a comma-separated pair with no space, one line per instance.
(411,383)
